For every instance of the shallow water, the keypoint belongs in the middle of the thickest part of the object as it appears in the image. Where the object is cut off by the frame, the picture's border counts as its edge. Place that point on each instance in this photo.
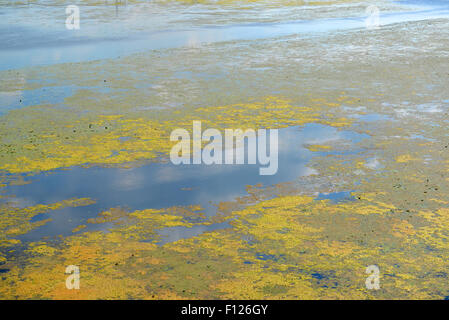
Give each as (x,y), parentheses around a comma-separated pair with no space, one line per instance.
(374,191)
(158,185)
(35,44)
(161,185)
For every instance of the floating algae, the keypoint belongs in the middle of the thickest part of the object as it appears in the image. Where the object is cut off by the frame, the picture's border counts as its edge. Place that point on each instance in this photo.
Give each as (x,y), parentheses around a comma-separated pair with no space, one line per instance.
(61,140)
(287,240)
(311,237)
(160,185)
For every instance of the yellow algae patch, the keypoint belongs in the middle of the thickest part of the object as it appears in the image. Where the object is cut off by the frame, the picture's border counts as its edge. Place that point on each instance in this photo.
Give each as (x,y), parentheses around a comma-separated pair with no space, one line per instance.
(376,207)
(97,142)
(436,233)
(403,229)
(317,147)
(284,203)
(157,217)
(276,220)
(41,249)
(405,158)
(113,265)
(167,217)
(439,201)
(284,247)
(79,228)
(256,283)
(16,221)
(337,249)
(64,139)
(270,112)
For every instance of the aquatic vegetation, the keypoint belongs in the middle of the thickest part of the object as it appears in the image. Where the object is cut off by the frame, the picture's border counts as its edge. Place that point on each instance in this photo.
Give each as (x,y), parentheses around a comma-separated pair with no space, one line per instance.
(16,220)
(317,147)
(280,241)
(64,139)
(298,248)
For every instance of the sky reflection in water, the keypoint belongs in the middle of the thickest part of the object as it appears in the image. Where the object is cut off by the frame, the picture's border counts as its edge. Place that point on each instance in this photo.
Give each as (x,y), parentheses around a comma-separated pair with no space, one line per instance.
(160,185)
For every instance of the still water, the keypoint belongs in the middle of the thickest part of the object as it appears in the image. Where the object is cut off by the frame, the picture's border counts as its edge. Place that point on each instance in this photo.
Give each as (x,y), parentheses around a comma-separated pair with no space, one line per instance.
(34,34)
(160,185)
(106,32)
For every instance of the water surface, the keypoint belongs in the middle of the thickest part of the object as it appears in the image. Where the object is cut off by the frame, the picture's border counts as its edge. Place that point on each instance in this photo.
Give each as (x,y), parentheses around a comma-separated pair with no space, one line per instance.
(161,185)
